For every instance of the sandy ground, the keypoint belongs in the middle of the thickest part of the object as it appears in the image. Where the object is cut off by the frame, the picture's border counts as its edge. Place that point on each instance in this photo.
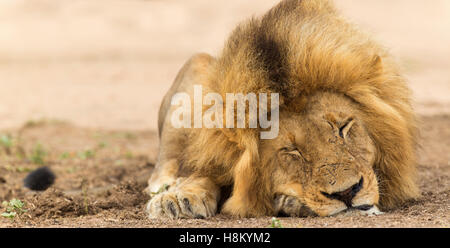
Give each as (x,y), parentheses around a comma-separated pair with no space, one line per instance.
(104,189)
(104,65)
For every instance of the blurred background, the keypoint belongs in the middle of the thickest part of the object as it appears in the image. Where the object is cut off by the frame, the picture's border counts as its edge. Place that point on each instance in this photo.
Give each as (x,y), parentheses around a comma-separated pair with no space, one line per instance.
(108,63)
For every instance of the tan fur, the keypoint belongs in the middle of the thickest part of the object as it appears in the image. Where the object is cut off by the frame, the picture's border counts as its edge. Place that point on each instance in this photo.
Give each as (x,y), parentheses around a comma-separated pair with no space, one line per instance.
(328,74)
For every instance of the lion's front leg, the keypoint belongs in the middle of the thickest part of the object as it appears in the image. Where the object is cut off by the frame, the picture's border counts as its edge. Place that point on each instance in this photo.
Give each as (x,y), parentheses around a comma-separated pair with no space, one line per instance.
(193,198)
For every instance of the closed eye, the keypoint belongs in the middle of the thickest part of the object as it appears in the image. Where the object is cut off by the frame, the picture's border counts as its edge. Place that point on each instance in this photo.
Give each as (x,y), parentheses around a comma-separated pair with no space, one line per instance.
(331,124)
(294,152)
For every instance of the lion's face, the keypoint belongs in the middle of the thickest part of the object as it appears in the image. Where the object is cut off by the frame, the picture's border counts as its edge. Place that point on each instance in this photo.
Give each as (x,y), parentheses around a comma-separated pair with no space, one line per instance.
(324,157)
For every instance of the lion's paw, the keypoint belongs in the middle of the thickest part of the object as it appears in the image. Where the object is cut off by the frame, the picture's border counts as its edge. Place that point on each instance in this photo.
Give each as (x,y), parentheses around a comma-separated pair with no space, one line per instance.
(181,205)
(291,206)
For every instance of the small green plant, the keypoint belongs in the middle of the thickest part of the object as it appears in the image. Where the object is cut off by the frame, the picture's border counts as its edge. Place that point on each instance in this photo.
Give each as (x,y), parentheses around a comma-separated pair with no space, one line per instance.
(38,154)
(23,169)
(275,223)
(20,169)
(129,155)
(72,170)
(10,168)
(6,142)
(33,123)
(163,188)
(129,136)
(10,215)
(119,162)
(64,155)
(13,208)
(102,145)
(86,154)
(42,122)
(84,189)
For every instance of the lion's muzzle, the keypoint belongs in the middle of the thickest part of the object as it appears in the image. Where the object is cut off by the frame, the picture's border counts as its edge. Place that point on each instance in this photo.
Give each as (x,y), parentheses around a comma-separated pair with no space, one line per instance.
(347,195)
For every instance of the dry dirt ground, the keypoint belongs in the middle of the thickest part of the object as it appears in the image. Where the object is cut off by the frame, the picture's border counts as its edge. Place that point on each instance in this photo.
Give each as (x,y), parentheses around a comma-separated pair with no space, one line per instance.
(81,82)
(101,175)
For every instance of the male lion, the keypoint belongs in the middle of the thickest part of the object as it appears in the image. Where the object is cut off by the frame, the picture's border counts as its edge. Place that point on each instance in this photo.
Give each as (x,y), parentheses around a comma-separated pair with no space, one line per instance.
(347,129)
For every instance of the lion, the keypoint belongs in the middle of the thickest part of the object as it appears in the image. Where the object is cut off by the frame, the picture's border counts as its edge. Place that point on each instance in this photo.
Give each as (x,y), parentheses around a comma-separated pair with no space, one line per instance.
(347,134)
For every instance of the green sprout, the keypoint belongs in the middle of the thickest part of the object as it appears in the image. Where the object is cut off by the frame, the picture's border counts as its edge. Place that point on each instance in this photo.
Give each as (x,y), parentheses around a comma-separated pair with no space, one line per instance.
(65,155)
(13,208)
(71,170)
(86,154)
(38,154)
(102,145)
(129,136)
(84,188)
(6,142)
(10,215)
(129,155)
(163,188)
(275,223)
(17,169)
(23,169)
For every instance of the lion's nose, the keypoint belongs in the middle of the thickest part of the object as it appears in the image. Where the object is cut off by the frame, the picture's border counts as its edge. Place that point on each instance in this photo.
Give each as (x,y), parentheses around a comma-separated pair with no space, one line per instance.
(347,195)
